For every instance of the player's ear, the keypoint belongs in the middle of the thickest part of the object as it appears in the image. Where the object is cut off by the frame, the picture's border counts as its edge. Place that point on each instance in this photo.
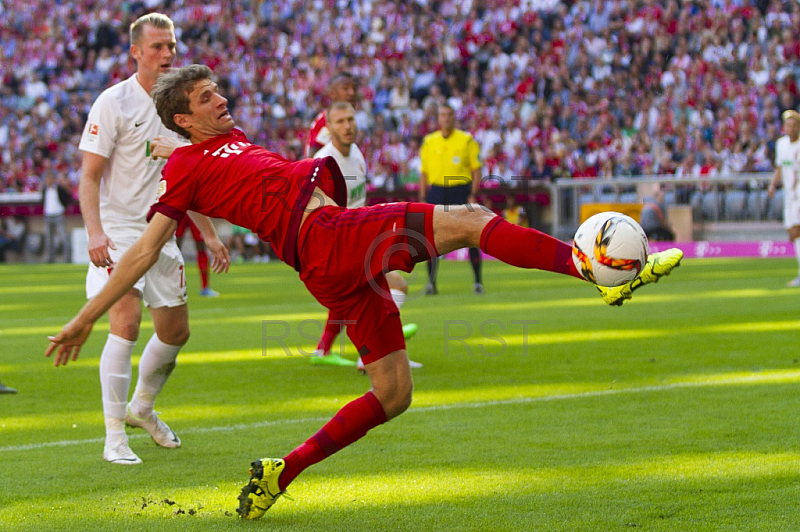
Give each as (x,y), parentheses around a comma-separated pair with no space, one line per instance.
(136,51)
(182,120)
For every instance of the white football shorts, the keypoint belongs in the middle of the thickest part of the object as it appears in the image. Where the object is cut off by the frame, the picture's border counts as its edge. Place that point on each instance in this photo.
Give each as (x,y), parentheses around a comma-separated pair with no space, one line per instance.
(791,212)
(164,285)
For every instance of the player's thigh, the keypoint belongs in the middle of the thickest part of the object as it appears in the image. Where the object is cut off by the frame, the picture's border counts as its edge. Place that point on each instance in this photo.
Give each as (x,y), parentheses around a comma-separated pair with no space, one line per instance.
(458,226)
(125,316)
(165,281)
(171,324)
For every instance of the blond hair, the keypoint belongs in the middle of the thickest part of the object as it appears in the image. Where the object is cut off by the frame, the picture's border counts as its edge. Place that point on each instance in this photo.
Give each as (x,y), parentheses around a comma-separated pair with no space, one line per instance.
(157,20)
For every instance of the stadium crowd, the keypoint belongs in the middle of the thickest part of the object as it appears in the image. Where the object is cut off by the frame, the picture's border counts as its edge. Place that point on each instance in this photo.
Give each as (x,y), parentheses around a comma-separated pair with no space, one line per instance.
(548,88)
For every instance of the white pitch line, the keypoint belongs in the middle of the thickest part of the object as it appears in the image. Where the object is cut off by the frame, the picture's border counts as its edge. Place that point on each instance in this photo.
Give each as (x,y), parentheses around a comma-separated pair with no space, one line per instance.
(435,408)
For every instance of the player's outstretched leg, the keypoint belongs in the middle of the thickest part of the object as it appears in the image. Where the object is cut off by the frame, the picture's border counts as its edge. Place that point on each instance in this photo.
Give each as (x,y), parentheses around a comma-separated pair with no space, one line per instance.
(391,381)
(529,248)
(658,265)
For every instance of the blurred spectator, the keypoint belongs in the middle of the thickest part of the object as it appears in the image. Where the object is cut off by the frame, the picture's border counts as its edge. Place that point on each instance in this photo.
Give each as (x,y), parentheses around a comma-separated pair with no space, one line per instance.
(652,218)
(588,71)
(55,200)
(514,213)
(12,235)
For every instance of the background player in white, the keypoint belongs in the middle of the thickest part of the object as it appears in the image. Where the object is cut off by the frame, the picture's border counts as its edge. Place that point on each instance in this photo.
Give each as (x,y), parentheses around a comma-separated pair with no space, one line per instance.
(343,88)
(341,126)
(787,170)
(119,182)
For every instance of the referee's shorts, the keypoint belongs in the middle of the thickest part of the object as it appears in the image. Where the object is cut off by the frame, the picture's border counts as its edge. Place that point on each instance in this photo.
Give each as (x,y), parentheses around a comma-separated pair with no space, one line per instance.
(456,195)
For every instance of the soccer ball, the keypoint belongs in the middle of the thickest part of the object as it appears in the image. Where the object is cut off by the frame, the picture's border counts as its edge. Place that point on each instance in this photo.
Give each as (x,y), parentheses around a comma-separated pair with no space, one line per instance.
(610,249)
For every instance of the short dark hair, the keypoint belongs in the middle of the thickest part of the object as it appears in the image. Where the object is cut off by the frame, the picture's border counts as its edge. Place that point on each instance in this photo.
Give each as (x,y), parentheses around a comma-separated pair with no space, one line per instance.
(446,105)
(171,93)
(344,78)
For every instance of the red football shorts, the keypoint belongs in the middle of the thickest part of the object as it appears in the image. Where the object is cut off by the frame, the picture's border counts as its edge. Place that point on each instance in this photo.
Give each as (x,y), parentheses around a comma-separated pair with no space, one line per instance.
(344,256)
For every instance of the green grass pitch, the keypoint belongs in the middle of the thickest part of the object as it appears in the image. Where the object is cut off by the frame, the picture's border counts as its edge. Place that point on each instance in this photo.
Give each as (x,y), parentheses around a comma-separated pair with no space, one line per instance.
(538,408)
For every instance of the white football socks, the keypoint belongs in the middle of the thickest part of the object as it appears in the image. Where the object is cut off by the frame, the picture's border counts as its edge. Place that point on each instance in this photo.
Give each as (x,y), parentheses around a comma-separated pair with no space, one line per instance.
(399,297)
(115,381)
(155,367)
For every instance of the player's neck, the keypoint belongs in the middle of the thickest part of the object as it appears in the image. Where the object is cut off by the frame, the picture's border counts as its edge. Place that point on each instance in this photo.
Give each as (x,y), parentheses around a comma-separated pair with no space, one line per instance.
(447,132)
(344,149)
(793,139)
(146,83)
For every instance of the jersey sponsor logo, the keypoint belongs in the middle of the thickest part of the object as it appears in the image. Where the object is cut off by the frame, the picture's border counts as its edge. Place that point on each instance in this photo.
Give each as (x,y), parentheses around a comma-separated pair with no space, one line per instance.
(162,187)
(231,148)
(358,191)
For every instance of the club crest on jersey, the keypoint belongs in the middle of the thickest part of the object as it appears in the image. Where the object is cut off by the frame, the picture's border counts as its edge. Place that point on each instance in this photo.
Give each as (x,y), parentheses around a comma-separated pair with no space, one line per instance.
(456,159)
(162,187)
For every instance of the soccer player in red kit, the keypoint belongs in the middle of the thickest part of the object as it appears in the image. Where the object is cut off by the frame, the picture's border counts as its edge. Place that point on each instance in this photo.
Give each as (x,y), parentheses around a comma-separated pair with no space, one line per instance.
(202,257)
(342,255)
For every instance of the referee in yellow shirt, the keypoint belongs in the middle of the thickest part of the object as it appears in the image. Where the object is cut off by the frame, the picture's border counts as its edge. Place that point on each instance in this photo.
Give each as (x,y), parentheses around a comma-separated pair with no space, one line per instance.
(450,176)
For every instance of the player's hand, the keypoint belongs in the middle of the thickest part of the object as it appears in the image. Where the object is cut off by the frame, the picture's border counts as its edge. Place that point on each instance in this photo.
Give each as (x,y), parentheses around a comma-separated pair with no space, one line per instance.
(221,261)
(98,250)
(67,344)
(162,147)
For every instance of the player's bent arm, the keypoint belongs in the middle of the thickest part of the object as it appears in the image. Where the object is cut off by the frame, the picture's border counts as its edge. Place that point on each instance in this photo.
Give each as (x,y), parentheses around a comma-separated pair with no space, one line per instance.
(776,180)
(136,261)
(221,260)
(423,186)
(92,168)
(162,147)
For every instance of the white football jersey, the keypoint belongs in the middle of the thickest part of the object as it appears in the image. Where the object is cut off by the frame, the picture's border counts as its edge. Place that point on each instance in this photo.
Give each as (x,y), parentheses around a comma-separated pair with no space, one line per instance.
(787,158)
(354,170)
(120,126)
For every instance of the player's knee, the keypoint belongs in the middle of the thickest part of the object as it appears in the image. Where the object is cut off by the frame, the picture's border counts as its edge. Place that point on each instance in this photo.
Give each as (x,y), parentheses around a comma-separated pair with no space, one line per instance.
(178,336)
(128,330)
(399,401)
(182,336)
(395,397)
(397,282)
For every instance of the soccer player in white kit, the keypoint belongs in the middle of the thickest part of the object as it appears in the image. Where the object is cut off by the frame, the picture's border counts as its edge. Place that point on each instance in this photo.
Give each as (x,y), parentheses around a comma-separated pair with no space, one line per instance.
(787,170)
(342,128)
(119,181)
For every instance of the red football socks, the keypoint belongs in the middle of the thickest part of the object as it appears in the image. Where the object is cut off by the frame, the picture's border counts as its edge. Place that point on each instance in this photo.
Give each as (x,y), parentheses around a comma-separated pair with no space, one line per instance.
(202,264)
(349,424)
(333,327)
(527,248)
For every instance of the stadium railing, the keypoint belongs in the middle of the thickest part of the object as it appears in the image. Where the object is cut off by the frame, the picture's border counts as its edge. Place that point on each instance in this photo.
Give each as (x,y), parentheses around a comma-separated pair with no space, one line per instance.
(736,203)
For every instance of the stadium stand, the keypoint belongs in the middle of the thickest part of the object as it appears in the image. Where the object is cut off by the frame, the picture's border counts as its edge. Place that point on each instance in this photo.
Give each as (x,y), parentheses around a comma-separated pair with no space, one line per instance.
(599,89)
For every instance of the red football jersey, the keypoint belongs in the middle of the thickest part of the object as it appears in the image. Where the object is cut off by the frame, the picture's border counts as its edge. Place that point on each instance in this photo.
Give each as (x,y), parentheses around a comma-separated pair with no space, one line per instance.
(229,177)
(318,135)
